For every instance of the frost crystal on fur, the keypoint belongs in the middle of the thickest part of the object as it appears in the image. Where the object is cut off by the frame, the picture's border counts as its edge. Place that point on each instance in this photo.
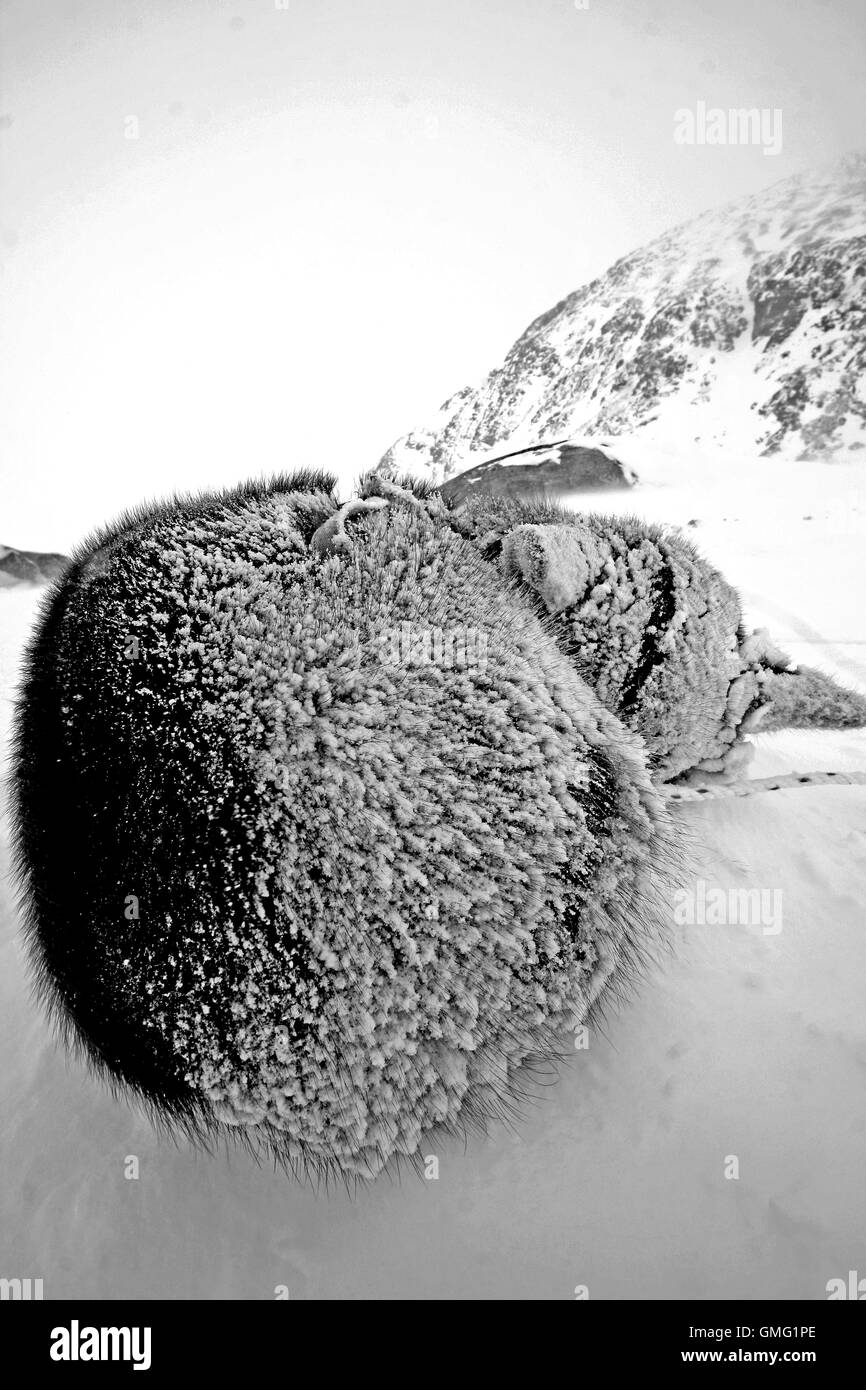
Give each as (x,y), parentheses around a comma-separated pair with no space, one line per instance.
(279,881)
(658,634)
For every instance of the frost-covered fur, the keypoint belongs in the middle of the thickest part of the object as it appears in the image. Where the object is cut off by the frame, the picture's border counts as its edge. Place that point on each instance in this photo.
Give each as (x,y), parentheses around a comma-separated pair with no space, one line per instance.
(296,866)
(804,698)
(797,697)
(281,881)
(657,632)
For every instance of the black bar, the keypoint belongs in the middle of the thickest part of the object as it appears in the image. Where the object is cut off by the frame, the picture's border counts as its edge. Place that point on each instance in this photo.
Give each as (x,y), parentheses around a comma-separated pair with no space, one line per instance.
(243,1337)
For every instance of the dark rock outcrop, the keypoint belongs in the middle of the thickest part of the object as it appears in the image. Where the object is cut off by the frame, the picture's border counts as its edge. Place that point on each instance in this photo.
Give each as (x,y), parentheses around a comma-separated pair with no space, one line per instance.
(548,470)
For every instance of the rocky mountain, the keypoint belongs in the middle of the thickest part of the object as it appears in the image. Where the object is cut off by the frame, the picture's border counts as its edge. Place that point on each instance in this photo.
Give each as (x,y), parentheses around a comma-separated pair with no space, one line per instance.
(744,328)
(552,470)
(28,566)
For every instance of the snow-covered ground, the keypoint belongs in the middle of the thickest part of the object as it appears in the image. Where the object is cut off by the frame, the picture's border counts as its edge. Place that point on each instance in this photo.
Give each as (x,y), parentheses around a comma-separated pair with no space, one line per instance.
(746,1044)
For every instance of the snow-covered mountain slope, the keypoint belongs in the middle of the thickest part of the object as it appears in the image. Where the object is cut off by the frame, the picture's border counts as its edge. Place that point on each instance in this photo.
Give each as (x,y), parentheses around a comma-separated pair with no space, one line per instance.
(743,328)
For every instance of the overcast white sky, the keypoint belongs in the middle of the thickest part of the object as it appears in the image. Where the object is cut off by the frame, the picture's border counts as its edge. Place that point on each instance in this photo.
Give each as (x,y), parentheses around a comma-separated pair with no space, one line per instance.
(337,212)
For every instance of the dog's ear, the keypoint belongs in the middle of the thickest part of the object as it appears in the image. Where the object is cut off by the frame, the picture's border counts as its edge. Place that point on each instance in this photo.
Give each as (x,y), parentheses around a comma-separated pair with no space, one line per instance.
(559,562)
